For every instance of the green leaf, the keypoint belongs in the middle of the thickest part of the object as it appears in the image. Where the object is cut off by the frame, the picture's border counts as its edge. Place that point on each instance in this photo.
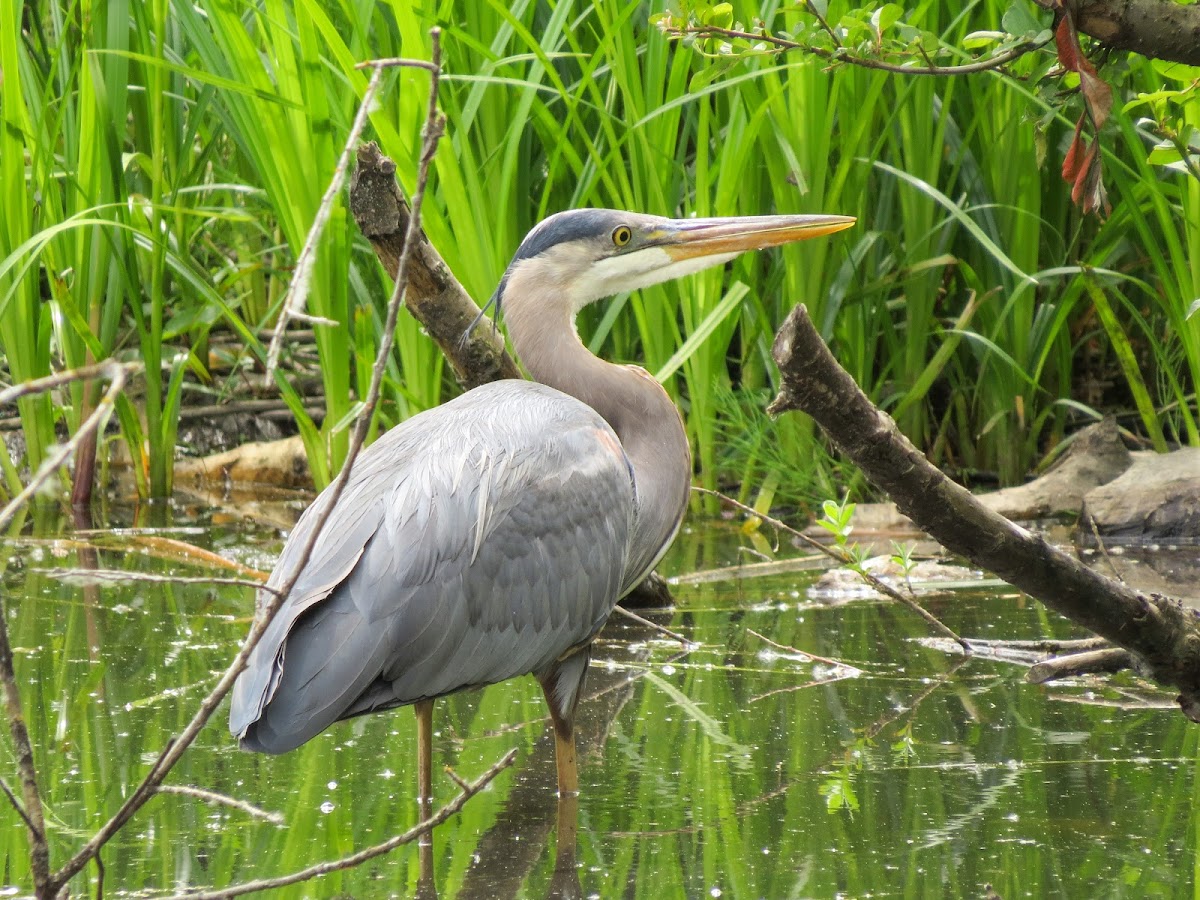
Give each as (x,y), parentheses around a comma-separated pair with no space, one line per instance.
(1019,21)
(885,17)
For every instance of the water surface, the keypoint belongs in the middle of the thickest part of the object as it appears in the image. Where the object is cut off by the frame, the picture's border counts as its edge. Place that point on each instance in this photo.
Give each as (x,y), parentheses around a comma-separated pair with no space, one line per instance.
(732,769)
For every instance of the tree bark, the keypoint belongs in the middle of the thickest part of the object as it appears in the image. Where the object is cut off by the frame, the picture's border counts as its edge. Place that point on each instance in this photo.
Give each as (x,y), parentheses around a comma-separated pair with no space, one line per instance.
(1162,635)
(1159,29)
(433,296)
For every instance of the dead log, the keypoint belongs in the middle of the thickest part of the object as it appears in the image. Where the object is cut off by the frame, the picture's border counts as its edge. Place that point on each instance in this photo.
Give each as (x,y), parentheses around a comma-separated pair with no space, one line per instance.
(1161,633)
(434,296)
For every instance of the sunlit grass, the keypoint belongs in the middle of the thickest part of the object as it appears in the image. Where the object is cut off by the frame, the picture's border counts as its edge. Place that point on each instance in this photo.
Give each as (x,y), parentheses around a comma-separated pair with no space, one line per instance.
(177,156)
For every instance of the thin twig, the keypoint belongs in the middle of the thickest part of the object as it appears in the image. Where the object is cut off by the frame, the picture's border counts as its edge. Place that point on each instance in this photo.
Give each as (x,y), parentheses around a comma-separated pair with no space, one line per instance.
(393,62)
(221,800)
(816,14)
(39,850)
(119,576)
(844,558)
(1103,549)
(784,647)
(362,856)
(16,804)
(171,754)
(667,631)
(116,372)
(103,370)
(866,62)
(873,730)
(297,296)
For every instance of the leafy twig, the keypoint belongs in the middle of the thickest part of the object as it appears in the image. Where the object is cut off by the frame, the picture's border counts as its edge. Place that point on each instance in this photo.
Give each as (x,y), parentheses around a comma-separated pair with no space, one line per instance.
(845,559)
(841,56)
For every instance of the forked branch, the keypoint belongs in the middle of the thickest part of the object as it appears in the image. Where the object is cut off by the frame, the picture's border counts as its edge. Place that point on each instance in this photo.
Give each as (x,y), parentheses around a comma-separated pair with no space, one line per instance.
(1161,634)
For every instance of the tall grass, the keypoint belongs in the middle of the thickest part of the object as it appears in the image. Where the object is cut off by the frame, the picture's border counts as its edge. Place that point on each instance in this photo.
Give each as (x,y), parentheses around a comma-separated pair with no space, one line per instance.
(173,159)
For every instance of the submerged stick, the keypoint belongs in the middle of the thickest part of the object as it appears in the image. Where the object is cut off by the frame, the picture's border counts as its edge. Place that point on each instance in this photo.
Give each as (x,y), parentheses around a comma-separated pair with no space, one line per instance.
(1094,662)
(1159,631)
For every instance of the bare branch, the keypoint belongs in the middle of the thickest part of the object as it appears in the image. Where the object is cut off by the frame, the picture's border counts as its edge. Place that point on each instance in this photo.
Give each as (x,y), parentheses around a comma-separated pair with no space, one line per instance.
(362,856)
(39,850)
(116,372)
(1160,631)
(297,296)
(171,754)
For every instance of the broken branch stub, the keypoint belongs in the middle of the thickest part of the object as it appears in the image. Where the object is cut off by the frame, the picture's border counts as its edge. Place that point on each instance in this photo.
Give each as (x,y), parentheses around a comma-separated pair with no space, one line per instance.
(1162,634)
(434,296)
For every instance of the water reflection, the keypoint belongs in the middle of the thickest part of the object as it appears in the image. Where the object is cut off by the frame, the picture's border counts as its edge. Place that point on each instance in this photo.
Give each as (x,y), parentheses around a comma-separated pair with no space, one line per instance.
(737,768)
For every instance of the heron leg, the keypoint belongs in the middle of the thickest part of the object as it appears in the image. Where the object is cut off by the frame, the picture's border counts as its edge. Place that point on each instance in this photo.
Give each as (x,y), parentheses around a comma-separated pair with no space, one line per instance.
(562,683)
(424,711)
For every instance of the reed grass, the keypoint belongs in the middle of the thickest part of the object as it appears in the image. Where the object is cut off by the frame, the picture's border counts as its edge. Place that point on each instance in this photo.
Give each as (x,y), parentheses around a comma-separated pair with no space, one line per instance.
(177,156)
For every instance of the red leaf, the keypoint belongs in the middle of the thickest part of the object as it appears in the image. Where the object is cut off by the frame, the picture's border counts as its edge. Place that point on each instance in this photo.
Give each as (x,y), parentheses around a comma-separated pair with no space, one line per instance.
(1070,166)
(1096,91)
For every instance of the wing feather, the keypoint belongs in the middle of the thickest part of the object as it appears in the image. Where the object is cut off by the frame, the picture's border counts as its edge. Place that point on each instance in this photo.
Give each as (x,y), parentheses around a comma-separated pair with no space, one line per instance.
(475,542)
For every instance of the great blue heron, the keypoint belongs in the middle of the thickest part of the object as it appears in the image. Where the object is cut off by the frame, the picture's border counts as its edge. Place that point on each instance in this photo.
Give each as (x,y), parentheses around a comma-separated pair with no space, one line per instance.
(492,536)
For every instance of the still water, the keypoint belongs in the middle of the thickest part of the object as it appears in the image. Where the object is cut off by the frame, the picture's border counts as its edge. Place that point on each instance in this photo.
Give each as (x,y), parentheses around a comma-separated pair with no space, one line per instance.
(734,768)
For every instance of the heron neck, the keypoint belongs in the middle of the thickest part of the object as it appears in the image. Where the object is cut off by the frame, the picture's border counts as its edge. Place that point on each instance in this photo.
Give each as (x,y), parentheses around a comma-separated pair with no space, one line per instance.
(634,404)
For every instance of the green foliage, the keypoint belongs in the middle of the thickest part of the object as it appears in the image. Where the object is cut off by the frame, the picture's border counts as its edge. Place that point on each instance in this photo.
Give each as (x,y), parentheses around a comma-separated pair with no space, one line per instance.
(174,158)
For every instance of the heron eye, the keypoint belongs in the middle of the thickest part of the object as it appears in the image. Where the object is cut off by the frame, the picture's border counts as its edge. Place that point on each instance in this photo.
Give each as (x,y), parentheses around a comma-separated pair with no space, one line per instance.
(622,235)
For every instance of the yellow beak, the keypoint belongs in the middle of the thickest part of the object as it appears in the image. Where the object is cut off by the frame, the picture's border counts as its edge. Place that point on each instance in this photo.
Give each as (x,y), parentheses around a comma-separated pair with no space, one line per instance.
(690,238)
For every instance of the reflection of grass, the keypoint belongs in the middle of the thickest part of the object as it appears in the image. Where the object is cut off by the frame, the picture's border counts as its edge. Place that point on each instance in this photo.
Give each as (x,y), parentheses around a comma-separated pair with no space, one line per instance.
(723,793)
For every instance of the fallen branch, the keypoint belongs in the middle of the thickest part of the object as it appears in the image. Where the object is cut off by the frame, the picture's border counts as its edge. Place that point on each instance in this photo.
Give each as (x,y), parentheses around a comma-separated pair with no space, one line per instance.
(1094,662)
(1163,635)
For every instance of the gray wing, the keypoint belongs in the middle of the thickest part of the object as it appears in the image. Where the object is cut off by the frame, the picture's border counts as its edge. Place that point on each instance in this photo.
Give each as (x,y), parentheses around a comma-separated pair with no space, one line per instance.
(475,542)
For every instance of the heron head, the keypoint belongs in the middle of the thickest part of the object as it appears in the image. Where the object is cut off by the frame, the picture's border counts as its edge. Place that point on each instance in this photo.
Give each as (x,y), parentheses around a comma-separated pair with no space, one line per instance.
(586,254)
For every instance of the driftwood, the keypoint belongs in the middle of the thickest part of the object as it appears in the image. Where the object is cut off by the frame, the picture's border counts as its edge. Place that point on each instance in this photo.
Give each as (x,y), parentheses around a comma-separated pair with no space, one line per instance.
(433,296)
(1161,634)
